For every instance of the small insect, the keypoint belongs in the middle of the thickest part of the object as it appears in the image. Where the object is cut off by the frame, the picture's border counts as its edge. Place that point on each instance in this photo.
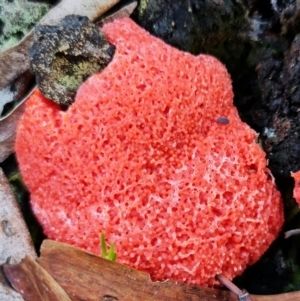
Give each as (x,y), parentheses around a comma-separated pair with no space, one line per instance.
(223,120)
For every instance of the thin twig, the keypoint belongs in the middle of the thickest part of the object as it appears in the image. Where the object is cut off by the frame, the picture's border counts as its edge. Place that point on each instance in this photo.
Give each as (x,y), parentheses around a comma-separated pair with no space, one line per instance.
(290,233)
(241,294)
(125,11)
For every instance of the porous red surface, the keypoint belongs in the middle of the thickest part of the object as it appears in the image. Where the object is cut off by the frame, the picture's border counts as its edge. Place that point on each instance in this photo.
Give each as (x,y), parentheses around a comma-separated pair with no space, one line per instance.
(143,156)
(296,193)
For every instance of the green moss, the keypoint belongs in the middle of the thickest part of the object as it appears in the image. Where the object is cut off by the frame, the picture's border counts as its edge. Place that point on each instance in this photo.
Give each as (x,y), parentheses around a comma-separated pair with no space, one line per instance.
(142,6)
(17,18)
(72,74)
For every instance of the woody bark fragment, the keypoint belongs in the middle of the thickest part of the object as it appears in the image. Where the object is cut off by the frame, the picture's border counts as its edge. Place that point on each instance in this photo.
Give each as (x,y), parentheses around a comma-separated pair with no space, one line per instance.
(101,279)
(104,280)
(15,242)
(33,282)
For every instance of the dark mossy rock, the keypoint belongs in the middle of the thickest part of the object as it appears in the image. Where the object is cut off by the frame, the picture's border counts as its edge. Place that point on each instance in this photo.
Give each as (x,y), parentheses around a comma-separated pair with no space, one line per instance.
(196,26)
(63,56)
(278,112)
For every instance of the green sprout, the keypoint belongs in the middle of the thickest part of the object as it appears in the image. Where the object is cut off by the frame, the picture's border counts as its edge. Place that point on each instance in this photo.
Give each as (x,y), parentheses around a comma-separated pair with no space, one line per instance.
(111,255)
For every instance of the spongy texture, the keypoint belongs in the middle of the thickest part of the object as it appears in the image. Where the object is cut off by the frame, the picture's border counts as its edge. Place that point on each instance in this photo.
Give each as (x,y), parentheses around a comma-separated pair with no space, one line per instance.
(296,193)
(146,154)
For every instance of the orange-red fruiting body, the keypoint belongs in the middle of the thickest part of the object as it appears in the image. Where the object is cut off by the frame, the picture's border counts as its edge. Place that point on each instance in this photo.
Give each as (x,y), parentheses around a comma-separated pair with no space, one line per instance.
(296,193)
(154,154)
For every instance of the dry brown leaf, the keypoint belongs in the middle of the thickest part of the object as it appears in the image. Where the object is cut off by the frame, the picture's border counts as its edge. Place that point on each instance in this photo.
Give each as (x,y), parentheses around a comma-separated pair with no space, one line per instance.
(8,133)
(92,9)
(6,292)
(33,282)
(14,62)
(85,276)
(15,241)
